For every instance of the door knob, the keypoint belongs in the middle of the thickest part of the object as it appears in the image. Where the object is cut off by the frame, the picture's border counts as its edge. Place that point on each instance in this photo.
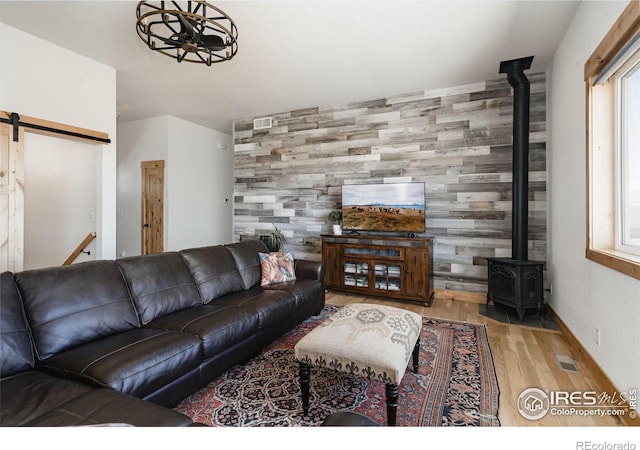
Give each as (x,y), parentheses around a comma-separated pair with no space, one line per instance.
(146,225)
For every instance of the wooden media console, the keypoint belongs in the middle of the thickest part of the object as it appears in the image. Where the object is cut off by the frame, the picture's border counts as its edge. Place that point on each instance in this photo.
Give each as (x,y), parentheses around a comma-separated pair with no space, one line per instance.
(394,267)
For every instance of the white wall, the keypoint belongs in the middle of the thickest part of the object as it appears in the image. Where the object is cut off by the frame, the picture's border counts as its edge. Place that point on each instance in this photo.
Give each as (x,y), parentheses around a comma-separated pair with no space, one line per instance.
(138,140)
(65,171)
(198,180)
(42,80)
(586,295)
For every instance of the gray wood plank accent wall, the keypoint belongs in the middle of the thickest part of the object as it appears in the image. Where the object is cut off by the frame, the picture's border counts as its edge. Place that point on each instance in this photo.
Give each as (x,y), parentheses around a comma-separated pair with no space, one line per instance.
(456,140)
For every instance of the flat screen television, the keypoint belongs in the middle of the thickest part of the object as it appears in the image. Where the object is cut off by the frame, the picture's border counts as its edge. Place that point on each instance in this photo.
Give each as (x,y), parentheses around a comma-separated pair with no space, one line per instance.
(388,207)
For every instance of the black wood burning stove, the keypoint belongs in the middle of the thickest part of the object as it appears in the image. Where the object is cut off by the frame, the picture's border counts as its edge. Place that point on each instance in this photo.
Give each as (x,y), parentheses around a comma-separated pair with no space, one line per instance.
(517,282)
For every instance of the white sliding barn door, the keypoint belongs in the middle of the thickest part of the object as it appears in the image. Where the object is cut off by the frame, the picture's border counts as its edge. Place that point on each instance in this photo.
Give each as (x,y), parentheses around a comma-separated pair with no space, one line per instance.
(11,200)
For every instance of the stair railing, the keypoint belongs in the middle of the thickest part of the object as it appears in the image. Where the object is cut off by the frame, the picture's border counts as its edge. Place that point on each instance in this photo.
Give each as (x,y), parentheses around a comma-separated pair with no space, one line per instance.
(80,248)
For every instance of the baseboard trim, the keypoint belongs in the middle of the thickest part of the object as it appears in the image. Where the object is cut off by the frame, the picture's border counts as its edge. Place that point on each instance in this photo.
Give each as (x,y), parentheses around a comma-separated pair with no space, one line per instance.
(601,378)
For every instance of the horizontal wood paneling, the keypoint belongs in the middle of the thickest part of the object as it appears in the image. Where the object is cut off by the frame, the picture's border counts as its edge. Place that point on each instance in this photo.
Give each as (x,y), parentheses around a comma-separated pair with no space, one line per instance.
(457,140)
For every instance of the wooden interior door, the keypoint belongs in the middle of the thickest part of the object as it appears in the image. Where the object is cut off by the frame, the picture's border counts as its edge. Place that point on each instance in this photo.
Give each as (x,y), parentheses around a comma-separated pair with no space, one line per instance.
(152,207)
(11,200)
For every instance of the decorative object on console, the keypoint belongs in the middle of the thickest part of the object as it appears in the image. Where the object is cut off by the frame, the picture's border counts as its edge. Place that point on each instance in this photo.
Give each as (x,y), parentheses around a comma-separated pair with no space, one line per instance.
(336,218)
(199,33)
(277,267)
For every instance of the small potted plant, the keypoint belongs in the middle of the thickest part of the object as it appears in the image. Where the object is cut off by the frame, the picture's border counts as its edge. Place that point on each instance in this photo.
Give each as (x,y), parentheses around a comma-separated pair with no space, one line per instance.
(274,241)
(277,241)
(336,218)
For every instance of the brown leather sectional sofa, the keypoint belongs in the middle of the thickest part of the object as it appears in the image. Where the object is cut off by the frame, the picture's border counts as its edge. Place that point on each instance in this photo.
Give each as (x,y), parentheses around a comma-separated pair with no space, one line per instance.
(123,341)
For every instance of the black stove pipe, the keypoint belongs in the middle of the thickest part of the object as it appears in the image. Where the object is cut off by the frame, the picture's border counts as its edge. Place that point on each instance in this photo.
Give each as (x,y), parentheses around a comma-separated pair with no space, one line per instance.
(520,225)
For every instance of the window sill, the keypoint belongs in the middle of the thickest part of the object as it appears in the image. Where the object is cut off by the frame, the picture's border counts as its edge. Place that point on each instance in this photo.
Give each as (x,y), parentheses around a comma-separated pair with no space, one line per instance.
(626,263)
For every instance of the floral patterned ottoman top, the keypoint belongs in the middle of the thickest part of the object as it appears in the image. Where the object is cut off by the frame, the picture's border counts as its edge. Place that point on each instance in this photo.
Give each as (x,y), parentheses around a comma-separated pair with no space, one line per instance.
(374,341)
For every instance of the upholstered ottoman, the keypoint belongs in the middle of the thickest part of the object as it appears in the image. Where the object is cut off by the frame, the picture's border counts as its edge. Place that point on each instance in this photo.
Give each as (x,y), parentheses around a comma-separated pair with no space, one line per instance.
(373,341)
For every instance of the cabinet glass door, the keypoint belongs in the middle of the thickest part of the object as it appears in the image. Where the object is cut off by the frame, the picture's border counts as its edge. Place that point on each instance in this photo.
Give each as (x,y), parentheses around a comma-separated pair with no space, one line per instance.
(387,277)
(356,273)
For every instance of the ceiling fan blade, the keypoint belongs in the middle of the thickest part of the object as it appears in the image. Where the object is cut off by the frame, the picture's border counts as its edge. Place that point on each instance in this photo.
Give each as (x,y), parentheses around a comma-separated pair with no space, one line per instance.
(175,39)
(187,27)
(212,42)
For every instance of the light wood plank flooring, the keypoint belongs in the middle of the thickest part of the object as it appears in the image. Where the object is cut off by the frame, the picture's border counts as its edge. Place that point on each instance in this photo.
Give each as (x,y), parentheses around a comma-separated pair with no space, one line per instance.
(524,357)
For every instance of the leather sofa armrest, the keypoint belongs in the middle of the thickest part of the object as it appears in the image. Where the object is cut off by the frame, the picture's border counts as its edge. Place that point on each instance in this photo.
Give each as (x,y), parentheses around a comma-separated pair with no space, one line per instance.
(310,269)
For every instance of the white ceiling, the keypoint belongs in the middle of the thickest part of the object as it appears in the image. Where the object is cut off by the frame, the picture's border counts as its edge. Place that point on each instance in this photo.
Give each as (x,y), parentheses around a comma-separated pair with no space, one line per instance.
(299,54)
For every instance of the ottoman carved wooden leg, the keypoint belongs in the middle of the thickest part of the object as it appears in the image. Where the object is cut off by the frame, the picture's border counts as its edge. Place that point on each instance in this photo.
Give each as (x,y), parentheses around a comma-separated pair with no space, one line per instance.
(305,370)
(416,356)
(372,341)
(392,403)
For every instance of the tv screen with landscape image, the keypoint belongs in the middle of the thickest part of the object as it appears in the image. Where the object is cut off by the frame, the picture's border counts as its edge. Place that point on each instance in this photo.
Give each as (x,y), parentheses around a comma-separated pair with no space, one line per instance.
(391,207)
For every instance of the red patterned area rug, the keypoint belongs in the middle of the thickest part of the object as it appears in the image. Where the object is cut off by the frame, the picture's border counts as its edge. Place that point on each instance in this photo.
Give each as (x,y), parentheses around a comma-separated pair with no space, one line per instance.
(455,385)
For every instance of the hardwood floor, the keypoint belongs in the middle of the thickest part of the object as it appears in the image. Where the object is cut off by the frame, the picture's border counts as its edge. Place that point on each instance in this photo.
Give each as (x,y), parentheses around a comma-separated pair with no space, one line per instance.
(523,356)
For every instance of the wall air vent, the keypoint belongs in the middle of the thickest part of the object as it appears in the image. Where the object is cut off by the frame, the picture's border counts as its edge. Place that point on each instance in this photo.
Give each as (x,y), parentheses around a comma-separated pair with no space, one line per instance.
(262,123)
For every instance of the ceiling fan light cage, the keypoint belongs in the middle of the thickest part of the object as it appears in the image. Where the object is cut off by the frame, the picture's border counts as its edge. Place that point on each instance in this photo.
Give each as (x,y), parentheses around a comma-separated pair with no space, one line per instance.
(192,31)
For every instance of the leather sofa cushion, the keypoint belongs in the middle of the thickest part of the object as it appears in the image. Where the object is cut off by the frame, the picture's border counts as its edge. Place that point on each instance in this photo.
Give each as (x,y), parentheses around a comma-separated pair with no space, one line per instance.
(27,395)
(107,407)
(309,295)
(160,284)
(15,341)
(219,326)
(136,362)
(35,398)
(245,254)
(70,305)
(271,306)
(214,271)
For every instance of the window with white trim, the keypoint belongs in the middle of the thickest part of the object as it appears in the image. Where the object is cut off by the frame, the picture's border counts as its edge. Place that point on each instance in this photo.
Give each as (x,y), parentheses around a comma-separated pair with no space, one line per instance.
(612,76)
(627,81)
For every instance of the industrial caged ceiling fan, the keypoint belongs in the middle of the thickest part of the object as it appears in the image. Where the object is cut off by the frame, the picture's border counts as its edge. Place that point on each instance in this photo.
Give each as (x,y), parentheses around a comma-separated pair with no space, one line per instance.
(193,31)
